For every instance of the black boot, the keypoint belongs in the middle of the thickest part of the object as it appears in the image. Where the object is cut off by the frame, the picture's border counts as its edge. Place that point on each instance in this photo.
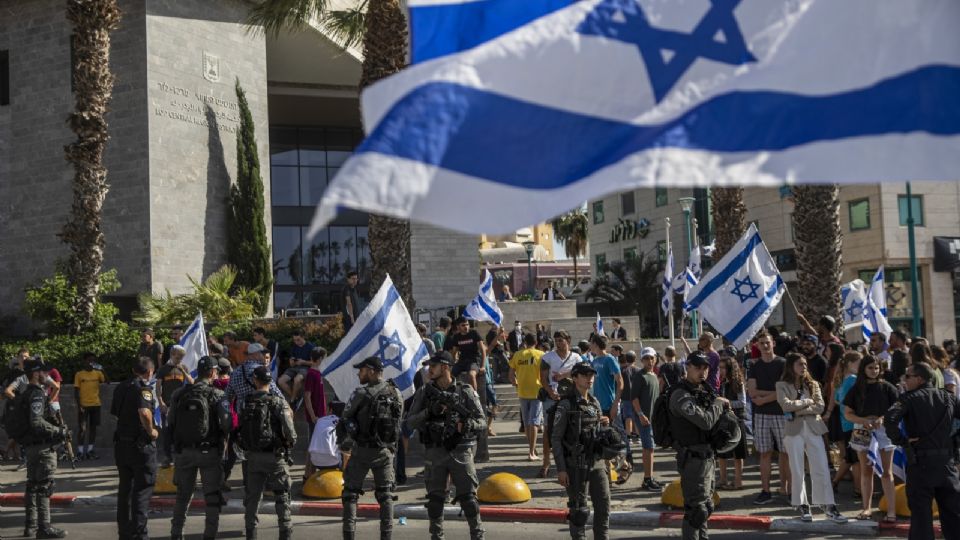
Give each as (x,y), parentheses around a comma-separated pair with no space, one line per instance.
(30,509)
(286,534)
(251,534)
(51,532)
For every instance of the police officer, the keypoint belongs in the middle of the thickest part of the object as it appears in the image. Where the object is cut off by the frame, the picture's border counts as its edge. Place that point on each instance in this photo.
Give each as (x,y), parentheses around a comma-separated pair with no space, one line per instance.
(39,443)
(371,428)
(578,466)
(266,435)
(135,450)
(693,412)
(929,415)
(200,421)
(449,417)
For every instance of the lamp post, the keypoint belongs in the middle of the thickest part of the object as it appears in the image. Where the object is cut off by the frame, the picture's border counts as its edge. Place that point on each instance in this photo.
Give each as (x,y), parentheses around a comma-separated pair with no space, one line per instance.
(912,246)
(528,246)
(686,204)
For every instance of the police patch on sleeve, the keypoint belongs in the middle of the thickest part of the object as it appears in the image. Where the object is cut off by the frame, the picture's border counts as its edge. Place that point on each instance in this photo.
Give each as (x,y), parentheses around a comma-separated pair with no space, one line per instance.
(146,394)
(225,404)
(688,408)
(36,407)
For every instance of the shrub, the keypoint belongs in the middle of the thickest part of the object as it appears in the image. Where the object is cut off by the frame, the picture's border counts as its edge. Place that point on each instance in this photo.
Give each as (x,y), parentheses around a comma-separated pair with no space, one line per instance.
(216,298)
(325,332)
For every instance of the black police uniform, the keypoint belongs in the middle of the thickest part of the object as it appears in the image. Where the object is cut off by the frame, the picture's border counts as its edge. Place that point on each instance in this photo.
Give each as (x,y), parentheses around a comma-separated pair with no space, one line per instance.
(135,453)
(691,421)
(204,457)
(39,445)
(928,414)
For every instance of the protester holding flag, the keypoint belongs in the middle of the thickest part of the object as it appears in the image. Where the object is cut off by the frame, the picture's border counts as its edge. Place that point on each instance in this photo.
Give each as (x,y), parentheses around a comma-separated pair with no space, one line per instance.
(865,405)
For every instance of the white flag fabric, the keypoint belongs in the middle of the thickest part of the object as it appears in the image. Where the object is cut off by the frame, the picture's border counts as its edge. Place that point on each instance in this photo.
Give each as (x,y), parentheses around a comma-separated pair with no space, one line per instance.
(694,263)
(600,325)
(384,329)
(669,94)
(853,296)
(875,312)
(194,340)
(738,294)
(683,283)
(667,285)
(484,306)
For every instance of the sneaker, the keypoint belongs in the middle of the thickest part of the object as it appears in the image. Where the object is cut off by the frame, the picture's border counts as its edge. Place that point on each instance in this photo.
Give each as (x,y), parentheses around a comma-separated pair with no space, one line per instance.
(51,532)
(805,514)
(833,514)
(763,498)
(649,484)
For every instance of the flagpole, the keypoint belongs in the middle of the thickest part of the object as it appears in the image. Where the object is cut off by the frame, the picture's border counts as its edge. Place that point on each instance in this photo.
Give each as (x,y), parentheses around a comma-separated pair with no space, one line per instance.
(912,247)
(673,339)
(696,245)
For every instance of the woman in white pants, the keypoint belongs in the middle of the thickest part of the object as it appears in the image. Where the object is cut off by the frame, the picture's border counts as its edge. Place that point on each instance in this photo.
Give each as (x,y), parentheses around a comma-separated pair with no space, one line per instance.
(800,398)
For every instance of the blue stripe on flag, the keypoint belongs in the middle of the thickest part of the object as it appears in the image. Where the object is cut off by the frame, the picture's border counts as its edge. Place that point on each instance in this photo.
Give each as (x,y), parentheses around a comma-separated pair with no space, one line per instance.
(458,128)
(735,265)
(494,316)
(755,312)
(368,333)
(405,379)
(445,29)
(192,329)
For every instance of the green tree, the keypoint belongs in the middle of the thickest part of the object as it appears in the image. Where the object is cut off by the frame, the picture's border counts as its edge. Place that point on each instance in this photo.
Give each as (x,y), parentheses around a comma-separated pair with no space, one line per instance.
(218,298)
(570,229)
(819,241)
(630,286)
(380,25)
(93,21)
(247,247)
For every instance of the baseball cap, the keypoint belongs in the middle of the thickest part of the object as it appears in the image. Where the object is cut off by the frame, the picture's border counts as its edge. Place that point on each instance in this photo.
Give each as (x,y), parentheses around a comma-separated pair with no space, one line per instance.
(442,357)
(262,375)
(648,351)
(697,359)
(206,363)
(811,338)
(582,368)
(224,364)
(372,362)
(33,365)
(254,348)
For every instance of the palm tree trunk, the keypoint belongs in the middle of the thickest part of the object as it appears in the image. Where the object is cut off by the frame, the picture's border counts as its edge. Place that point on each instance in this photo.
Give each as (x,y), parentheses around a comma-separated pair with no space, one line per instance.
(92,20)
(576,274)
(384,53)
(729,218)
(816,225)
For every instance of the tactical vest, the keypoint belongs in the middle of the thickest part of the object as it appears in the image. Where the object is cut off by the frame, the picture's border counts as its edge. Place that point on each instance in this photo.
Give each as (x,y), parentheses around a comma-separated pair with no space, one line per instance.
(587,413)
(685,432)
(439,428)
(379,418)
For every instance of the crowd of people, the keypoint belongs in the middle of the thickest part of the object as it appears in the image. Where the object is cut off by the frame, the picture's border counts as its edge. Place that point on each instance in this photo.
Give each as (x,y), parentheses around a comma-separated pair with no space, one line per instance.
(796,399)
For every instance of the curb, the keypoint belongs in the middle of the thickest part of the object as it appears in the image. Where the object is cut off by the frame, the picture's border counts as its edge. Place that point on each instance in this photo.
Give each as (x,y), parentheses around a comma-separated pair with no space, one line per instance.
(619,519)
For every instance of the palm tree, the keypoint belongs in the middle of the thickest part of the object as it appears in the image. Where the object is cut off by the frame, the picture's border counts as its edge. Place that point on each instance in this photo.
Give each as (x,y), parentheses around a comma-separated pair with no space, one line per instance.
(818,240)
(631,286)
(216,298)
(92,21)
(570,229)
(382,28)
(729,218)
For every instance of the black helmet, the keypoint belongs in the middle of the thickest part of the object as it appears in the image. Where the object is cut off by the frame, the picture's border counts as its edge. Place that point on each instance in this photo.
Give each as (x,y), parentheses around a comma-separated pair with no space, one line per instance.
(725,435)
(607,443)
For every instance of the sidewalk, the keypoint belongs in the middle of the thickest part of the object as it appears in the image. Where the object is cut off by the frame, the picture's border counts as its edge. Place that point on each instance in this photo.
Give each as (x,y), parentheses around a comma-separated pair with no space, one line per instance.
(95,483)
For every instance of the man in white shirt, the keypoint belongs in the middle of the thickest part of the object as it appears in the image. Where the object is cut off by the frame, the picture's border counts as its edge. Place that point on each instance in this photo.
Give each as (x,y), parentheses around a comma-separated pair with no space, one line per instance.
(555,366)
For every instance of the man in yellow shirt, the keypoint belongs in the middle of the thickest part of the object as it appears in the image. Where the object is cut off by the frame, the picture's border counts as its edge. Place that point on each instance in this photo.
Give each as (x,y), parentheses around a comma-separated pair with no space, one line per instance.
(86,387)
(525,375)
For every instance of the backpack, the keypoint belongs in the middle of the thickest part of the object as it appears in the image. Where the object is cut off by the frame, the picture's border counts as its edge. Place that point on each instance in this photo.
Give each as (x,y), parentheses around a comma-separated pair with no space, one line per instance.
(384,415)
(660,419)
(16,417)
(256,424)
(192,416)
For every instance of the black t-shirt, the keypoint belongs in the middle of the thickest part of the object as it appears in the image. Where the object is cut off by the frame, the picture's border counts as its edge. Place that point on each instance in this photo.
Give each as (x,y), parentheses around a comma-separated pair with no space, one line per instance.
(468,345)
(627,374)
(350,293)
(817,366)
(767,374)
(876,399)
(898,366)
(128,399)
(171,378)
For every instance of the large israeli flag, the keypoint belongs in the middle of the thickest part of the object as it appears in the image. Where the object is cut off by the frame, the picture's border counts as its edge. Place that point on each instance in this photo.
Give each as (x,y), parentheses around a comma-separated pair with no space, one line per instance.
(384,329)
(853,296)
(194,340)
(875,312)
(667,285)
(740,292)
(484,306)
(607,95)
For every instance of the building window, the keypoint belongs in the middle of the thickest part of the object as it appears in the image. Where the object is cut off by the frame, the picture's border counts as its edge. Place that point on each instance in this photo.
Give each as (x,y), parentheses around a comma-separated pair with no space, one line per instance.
(601,263)
(627,203)
(660,194)
(4,77)
(916,207)
(629,254)
(859,211)
(310,275)
(597,212)
(303,161)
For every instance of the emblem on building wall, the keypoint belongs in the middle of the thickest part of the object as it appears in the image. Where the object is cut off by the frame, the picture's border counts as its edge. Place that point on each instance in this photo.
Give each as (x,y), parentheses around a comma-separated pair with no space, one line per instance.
(211,67)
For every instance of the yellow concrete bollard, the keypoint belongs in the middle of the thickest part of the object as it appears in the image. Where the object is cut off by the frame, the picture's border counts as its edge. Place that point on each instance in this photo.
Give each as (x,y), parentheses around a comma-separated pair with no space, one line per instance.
(164,484)
(900,492)
(503,488)
(672,496)
(324,484)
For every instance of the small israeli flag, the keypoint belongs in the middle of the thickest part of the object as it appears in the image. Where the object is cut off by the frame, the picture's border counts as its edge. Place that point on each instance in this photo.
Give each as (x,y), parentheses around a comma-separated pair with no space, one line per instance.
(600,331)
(900,463)
(853,296)
(741,291)
(694,263)
(194,340)
(875,312)
(683,283)
(484,306)
(873,455)
(667,303)
(384,329)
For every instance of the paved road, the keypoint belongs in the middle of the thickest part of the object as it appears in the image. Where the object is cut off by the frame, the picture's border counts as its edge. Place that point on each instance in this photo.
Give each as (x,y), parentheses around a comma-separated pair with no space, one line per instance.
(99,524)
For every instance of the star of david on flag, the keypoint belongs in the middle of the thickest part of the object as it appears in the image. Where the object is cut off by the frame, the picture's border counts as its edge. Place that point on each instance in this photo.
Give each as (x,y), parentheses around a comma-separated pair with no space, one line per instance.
(853,297)
(384,329)
(738,294)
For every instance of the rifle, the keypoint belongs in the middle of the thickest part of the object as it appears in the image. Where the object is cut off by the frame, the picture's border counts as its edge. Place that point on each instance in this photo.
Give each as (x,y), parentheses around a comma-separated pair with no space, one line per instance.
(451,436)
(67,439)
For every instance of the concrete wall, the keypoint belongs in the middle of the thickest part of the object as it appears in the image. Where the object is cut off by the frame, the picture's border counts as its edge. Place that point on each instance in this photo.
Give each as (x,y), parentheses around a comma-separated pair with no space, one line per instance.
(537,311)
(445,266)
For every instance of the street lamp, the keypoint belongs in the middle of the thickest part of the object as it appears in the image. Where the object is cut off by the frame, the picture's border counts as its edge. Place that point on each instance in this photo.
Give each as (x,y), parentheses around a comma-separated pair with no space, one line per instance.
(528,246)
(686,204)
